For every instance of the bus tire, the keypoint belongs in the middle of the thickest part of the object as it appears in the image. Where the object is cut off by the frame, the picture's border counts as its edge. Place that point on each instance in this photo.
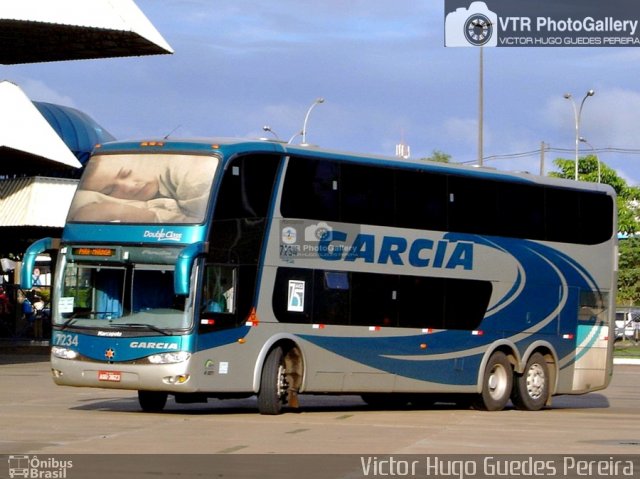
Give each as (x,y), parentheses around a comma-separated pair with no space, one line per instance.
(273,383)
(531,388)
(497,382)
(152,401)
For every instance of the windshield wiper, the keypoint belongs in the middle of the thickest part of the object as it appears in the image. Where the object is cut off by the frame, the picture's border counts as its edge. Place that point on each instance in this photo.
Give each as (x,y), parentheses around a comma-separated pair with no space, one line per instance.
(75,317)
(68,323)
(72,319)
(148,326)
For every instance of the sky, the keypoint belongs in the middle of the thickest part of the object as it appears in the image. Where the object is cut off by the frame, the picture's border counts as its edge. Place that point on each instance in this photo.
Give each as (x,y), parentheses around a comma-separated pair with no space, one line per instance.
(380,65)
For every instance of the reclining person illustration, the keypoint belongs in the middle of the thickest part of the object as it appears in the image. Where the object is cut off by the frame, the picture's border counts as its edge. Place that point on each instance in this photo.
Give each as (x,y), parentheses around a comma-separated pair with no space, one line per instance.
(118,188)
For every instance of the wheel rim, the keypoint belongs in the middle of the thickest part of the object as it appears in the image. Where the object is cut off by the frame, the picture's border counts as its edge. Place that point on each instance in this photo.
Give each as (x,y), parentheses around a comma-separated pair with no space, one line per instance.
(535,381)
(283,385)
(498,381)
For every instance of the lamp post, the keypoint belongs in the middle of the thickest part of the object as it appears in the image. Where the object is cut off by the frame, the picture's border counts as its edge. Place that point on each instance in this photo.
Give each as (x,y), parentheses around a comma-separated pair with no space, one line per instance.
(293,137)
(317,101)
(268,129)
(577,113)
(584,140)
(481,109)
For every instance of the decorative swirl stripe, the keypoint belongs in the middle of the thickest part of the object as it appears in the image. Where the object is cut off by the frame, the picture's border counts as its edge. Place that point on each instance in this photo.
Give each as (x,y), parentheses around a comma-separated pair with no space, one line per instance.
(543,302)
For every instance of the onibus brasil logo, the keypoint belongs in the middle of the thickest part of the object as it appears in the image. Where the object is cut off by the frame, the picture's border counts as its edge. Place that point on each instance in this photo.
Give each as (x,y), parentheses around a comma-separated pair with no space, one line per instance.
(36,468)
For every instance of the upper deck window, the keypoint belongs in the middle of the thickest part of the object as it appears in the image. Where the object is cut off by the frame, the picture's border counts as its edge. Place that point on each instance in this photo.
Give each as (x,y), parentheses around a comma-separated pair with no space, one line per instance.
(144,188)
(324,189)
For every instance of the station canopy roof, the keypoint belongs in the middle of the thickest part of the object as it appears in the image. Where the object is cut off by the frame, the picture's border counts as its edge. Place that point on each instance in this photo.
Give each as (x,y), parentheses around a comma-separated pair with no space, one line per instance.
(34,31)
(35,201)
(79,131)
(36,137)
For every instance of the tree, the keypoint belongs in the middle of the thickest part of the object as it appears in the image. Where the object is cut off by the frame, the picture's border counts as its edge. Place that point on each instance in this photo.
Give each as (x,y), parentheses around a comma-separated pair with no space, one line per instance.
(629,272)
(438,156)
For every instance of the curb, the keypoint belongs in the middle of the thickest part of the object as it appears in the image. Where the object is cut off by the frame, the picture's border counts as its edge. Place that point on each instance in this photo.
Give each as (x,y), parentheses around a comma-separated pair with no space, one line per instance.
(627,361)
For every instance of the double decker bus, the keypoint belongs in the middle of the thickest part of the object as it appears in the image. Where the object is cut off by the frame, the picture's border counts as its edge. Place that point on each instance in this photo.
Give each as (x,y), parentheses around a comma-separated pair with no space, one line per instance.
(232,268)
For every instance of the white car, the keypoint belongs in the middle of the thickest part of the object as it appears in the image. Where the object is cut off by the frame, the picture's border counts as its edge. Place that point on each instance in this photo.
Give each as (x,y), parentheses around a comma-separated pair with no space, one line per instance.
(627,323)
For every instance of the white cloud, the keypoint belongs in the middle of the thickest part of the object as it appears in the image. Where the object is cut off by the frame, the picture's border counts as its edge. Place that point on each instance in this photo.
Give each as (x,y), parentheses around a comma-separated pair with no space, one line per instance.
(614,119)
(464,130)
(609,122)
(609,118)
(37,90)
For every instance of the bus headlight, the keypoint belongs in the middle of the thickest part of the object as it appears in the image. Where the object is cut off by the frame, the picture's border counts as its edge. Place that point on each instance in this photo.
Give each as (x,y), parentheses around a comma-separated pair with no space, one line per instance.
(169,358)
(63,353)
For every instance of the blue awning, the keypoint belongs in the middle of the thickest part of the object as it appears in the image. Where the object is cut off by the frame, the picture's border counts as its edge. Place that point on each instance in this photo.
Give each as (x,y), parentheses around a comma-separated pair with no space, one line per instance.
(78,130)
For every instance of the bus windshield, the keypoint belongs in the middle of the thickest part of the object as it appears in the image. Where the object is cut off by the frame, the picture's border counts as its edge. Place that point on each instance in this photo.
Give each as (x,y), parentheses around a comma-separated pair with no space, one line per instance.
(139,296)
(144,188)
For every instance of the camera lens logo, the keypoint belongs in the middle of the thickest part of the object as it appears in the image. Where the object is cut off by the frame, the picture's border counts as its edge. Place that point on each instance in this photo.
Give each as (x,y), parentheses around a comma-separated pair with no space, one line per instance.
(478,29)
(317,232)
(474,26)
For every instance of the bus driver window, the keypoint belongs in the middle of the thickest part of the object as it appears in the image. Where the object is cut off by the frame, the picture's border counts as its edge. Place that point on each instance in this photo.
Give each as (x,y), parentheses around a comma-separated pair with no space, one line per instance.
(219,287)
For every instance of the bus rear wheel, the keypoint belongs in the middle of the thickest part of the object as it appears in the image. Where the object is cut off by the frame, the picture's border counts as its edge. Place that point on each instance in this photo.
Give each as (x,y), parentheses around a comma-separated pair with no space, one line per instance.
(531,389)
(273,383)
(152,401)
(497,383)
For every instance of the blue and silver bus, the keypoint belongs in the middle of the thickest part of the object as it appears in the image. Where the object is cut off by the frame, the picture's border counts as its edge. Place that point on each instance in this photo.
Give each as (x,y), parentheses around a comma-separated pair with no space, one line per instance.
(234,268)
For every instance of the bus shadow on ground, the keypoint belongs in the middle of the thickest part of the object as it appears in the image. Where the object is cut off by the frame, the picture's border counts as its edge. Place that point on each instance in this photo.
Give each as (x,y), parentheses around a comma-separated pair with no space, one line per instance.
(584,401)
(323,403)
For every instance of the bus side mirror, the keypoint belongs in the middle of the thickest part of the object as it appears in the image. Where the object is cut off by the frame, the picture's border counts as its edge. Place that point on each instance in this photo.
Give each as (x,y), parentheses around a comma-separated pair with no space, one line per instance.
(184,263)
(30,256)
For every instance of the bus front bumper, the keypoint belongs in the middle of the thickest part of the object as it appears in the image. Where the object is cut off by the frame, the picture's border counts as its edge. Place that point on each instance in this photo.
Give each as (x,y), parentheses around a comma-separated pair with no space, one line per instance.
(151,377)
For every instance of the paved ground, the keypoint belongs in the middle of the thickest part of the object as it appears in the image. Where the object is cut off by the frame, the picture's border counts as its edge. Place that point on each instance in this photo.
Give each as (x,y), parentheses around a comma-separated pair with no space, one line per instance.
(39,417)
(102,434)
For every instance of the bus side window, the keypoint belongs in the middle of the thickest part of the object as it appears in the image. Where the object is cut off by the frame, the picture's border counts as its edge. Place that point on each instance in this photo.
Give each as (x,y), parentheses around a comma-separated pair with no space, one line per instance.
(311,190)
(219,289)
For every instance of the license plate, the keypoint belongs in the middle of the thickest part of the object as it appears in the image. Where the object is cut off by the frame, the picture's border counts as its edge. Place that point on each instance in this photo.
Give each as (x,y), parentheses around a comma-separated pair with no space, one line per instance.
(112,376)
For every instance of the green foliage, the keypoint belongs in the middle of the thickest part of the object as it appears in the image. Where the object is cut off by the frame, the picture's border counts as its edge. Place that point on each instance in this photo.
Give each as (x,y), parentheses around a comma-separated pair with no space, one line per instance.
(627,216)
(438,156)
(629,272)
(588,171)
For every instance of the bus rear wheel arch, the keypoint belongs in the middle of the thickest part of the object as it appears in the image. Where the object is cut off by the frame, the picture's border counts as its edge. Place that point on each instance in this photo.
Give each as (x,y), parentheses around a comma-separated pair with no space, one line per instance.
(281,379)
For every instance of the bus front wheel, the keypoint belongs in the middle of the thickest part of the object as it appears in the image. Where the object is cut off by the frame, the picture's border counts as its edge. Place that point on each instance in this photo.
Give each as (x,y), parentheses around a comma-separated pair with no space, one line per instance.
(497,383)
(531,389)
(273,383)
(152,401)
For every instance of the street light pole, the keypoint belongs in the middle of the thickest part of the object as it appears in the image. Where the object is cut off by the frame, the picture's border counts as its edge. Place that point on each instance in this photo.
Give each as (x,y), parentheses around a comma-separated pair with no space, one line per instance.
(481,109)
(268,129)
(577,113)
(584,140)
(306,118)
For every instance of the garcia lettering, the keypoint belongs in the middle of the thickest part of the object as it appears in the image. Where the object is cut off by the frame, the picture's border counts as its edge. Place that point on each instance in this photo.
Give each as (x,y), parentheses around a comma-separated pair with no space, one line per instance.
(396,250)
(153,345)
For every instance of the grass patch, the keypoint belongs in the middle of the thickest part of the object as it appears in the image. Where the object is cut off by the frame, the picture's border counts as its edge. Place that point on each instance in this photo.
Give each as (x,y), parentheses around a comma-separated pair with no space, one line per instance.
(626,349)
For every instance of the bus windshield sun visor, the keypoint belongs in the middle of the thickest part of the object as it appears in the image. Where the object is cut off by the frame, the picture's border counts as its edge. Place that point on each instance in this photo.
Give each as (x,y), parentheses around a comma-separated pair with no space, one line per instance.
(186,257)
